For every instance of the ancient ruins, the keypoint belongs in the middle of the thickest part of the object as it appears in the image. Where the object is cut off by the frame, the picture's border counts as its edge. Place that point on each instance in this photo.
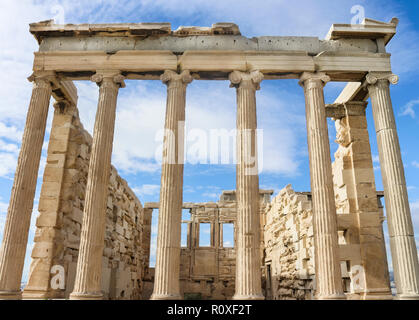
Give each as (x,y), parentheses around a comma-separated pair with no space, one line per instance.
(95,233)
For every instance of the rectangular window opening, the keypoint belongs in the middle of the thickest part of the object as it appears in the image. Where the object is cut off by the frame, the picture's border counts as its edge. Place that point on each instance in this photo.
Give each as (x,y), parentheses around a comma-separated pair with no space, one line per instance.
(228,235)
(184,235)
(186,215)
(205,234)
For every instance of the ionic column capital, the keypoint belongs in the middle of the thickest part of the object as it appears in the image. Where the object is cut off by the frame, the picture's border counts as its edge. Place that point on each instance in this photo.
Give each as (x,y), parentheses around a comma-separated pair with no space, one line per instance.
(246,79)
(42,79)
(313,79)
(174,79)
(109,78)
(373,78)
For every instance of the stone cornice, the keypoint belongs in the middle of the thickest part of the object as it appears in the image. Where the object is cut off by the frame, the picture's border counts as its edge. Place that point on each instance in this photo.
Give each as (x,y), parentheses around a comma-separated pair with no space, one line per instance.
(350,108)
(48,28)
(367,29)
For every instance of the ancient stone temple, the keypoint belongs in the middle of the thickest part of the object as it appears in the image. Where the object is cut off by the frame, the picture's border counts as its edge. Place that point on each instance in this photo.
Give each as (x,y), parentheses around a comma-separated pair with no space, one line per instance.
(93,234)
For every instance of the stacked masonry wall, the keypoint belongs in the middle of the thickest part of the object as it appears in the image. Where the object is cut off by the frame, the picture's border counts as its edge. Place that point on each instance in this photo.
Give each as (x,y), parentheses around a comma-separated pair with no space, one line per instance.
(61,204)
(289,255)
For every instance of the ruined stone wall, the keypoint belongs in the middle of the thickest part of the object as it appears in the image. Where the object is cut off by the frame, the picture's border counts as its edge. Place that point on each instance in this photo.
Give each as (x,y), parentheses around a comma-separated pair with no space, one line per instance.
(208,272)
(289,255)
(60,218)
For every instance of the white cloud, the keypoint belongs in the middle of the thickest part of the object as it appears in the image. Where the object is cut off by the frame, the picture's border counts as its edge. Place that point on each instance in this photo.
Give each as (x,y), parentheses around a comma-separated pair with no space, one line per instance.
(8,163)
(415,164)
(210,105)
(147,189)
(9,147)
(212,195)
(408,108)
(3,213)
(10,132)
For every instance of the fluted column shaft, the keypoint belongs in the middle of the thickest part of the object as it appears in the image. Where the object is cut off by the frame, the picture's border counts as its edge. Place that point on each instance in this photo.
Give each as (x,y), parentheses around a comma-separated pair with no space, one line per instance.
(248,260)
(89,265)
(167,270)
(327,265)
(15,237)
(402,240)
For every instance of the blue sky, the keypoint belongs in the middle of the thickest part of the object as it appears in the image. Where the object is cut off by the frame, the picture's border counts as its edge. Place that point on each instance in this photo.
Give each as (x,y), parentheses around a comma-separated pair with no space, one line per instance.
(210,105)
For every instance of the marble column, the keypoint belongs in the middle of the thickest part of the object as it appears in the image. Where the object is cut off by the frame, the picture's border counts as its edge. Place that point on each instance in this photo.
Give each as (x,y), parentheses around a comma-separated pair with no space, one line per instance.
(248,259)
(15,237)
(89,265)
(402,240)
(167,270)
(326,250)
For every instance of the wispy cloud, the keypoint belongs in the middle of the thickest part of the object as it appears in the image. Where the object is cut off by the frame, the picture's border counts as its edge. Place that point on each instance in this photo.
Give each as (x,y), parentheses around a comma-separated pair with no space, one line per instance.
(210,195)
(147,189)
(408,108)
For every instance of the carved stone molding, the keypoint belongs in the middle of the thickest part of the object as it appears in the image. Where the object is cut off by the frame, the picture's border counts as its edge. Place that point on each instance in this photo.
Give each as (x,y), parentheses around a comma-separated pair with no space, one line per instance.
(241,79)
(350,108)
(314,79)
(174,79)
(61,105)
(42,79)
(109,78)
(373,77)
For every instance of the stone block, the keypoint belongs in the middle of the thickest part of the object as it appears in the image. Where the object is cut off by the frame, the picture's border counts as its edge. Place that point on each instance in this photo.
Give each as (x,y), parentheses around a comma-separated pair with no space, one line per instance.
(355,122)
(51,189)
(45,234)
(61,120)
(119,229)
(53,174)
(77,215)
(42,250)
(56,160)
(47,219)
(58,144)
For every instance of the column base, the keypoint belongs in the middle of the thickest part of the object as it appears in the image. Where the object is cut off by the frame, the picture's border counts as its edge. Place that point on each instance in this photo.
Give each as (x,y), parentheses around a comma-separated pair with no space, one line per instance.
(339,296)
(407,296)
(10,295)
(166,297)
(248,297)
(86,296)
(377,296)
(34,295)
